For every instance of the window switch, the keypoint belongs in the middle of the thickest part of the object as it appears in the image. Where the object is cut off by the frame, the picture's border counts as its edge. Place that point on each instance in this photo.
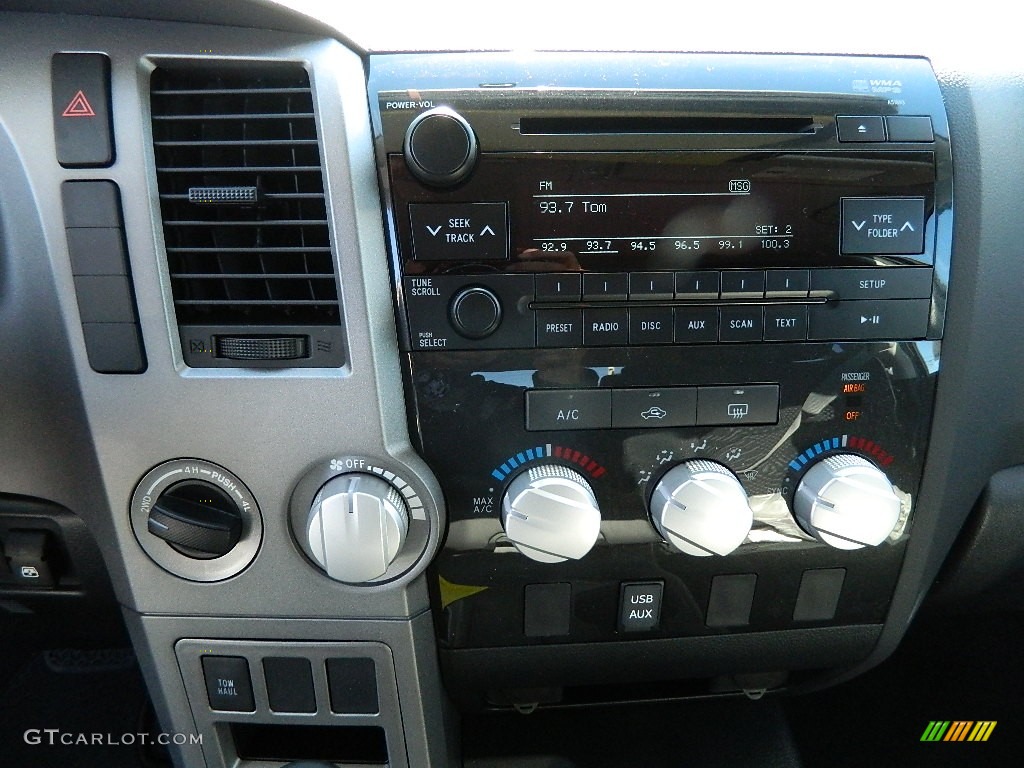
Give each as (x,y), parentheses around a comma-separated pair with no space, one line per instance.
(26,552)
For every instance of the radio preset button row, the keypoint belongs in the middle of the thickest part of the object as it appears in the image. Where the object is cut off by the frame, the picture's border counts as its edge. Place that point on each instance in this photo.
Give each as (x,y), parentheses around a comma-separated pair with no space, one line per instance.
(650,408)
(495,311)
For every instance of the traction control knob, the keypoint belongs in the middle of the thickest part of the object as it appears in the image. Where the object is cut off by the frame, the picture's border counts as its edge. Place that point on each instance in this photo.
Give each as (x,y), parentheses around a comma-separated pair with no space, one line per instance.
(356,527)
(846,502)
(701,509)
(550,514)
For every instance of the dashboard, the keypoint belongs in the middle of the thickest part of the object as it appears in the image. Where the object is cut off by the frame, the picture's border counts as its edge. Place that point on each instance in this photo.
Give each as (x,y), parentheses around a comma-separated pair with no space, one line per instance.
(393,373)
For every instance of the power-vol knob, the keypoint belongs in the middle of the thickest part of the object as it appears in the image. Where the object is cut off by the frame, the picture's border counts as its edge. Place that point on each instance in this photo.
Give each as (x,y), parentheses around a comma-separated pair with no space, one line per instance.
(701,509)
(846,502)
(440,147)
(550,514)
(356,527)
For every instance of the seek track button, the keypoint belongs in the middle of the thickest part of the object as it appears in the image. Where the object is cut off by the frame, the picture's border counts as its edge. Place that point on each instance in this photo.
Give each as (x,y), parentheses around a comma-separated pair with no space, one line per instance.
(459,231)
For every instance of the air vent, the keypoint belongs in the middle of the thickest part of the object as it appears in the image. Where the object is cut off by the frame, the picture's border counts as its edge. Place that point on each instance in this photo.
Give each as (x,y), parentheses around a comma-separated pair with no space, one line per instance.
(244,214)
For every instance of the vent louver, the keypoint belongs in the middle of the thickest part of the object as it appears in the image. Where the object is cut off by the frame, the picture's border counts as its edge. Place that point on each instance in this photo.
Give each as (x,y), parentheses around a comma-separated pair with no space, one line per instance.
(244,213)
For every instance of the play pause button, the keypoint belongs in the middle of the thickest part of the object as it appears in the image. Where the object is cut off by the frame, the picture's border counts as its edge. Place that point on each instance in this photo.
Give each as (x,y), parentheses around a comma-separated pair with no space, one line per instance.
(869,320)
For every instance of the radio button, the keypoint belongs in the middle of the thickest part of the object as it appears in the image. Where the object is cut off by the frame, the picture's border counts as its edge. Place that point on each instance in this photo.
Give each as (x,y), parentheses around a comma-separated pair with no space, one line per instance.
(651,285)
(909,128)
(650,325)
(743,284)
(459,231)
(548,409)
(785,323)
(560,328)
(861,320)
(787,284)
(605,286)
(757,404)
(696,325)
(742,324)
(605,327)
(651,408)
(559,287)
(884,283)
(860,128)
(877,225)
(697,285)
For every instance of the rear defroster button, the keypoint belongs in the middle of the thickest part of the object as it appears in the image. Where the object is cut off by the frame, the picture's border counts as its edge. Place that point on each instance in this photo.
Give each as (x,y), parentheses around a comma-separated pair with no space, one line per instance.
(475,312)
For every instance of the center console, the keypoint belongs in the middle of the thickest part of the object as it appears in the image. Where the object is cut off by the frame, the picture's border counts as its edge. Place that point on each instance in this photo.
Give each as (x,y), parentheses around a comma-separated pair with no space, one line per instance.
(671,331)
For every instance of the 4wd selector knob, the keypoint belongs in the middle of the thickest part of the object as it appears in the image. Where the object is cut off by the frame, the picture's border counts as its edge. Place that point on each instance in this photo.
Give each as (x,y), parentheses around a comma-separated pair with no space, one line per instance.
(846,502)
(356,527)
(440,147)
(550,514)
(701,509)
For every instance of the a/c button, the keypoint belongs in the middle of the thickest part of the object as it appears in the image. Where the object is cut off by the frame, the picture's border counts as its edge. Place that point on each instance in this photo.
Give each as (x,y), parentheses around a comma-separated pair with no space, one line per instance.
(548,409)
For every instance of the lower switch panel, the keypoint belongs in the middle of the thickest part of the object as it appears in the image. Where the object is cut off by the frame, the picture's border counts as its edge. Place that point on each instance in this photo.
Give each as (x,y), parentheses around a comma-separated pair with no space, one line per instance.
(280,701)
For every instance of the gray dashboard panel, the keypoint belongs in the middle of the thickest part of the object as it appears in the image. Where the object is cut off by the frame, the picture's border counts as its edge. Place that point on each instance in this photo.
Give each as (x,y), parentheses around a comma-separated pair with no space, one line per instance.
(268,428)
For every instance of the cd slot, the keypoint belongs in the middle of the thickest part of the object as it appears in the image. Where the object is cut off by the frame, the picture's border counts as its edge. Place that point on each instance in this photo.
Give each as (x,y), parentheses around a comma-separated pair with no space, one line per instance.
(628,124)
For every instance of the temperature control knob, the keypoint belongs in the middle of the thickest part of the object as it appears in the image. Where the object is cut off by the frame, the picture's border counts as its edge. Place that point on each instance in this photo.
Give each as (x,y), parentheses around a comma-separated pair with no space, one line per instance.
(356,527)
(701,509)
(846,502)
(440,147)
(550,514)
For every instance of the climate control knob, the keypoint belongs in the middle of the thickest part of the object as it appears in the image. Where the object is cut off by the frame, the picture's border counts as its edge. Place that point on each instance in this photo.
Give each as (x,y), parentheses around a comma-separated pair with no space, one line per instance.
(701,509)
(356,527)
(550,514)
(846,502)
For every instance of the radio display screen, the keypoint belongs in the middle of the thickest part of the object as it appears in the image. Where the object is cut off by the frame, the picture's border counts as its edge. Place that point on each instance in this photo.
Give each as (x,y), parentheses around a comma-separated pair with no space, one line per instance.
(681,210)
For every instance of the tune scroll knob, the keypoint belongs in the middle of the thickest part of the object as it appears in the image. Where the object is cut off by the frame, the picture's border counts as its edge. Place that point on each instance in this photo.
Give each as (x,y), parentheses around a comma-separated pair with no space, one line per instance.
(846,502)
(550,514)
(701,509)
(356,527)
(475,312)
(440,147)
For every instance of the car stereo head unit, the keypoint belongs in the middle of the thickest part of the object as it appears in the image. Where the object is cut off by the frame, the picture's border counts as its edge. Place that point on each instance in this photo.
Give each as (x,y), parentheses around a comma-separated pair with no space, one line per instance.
(672,329)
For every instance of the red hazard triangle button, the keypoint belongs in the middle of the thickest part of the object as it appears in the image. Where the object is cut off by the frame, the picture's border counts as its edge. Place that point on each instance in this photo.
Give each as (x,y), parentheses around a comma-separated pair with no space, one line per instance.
(78,107)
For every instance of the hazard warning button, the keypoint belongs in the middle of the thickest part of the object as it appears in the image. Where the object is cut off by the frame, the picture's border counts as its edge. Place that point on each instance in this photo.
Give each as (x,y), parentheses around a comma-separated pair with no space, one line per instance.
(81,110)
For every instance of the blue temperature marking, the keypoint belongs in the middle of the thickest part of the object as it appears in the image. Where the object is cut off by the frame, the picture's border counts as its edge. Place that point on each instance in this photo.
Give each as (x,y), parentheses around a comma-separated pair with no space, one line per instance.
(521,457)
(835,442)
(506,468)
(529,452)
(540,452)
(817,449)
(794,465)
(512,462)
(497,475)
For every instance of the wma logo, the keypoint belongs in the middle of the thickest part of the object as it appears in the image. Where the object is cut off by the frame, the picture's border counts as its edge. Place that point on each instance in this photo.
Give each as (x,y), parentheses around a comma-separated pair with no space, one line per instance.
(958,730)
